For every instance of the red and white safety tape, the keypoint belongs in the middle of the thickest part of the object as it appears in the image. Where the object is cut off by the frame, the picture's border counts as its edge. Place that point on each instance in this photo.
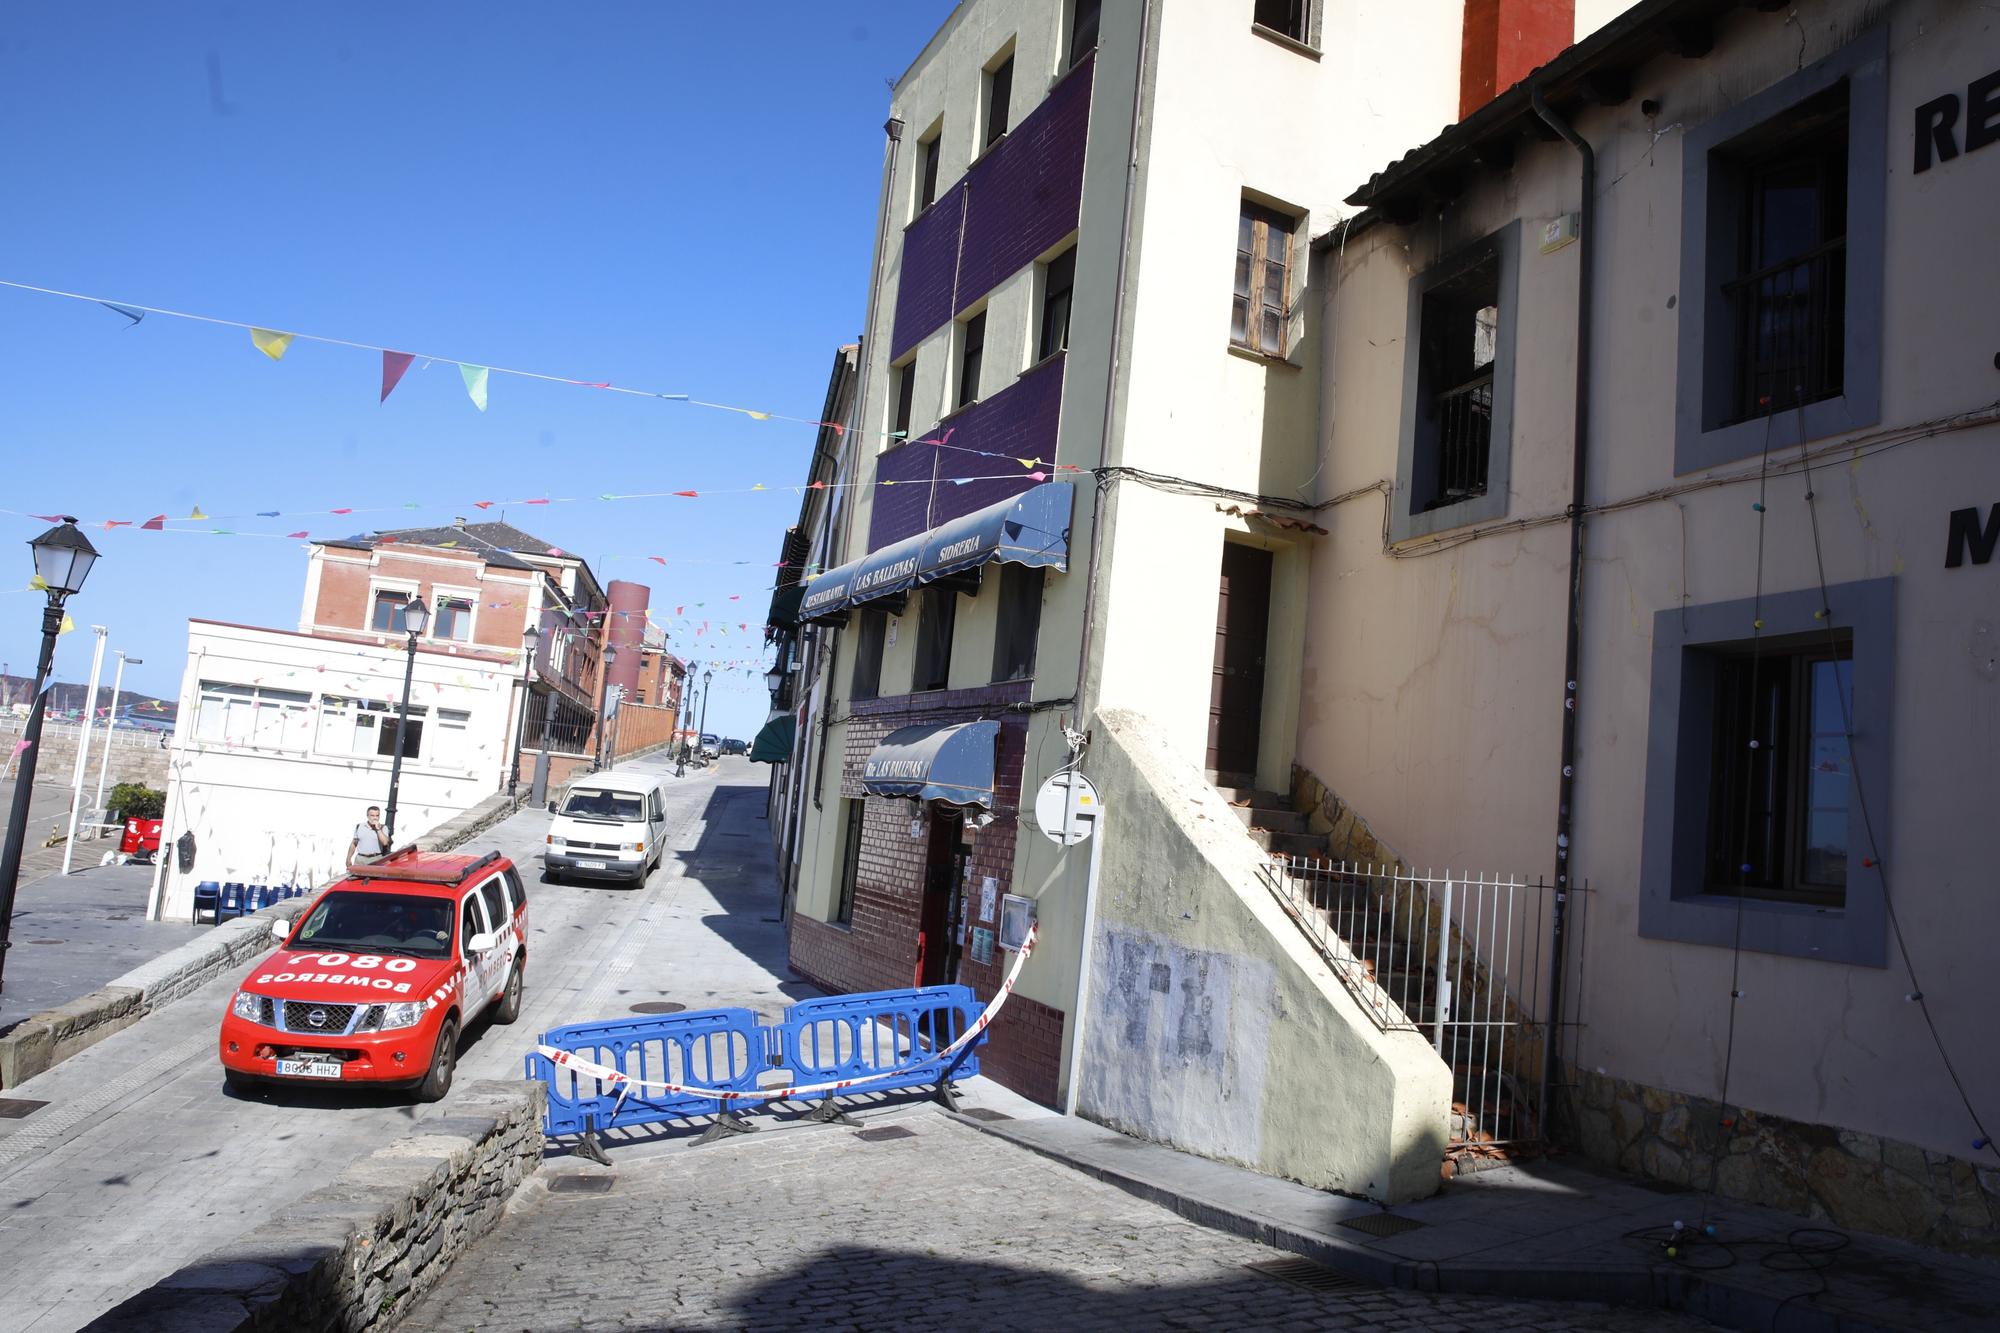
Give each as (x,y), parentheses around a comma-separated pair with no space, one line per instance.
(626,1084)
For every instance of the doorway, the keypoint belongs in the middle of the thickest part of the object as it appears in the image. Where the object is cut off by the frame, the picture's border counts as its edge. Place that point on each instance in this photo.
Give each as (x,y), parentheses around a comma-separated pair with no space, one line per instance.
(1236,688)
(937,924)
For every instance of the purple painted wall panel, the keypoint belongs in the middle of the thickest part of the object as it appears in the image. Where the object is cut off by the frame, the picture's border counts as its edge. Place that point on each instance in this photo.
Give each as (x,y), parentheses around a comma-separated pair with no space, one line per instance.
(1026,194)
(1017,201)
(1019,421)
(930,267)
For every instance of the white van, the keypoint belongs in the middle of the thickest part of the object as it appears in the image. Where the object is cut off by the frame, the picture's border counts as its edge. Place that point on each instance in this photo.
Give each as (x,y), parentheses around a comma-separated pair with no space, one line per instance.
(609,826)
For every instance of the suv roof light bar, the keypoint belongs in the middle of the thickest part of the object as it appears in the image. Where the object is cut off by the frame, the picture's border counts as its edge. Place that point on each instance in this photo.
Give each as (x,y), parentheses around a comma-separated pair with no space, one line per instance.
(428,872)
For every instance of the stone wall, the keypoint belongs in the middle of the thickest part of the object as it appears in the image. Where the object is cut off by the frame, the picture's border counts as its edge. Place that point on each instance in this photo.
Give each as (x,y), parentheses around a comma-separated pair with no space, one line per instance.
(1348,836)
(353,1252)
(1838,1176)
(136,756)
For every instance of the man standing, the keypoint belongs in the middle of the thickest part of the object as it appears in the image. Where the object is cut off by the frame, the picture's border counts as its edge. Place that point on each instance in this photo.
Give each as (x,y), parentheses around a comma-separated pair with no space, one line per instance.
(370,842)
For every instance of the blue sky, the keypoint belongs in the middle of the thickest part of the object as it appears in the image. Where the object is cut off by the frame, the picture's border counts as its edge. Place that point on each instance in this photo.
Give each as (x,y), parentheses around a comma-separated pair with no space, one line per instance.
(665,196)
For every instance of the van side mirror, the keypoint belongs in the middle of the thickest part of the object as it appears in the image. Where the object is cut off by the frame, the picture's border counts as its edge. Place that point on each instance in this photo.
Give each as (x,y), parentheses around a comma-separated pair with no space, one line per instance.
(552,807)
(480,943)
(282,929)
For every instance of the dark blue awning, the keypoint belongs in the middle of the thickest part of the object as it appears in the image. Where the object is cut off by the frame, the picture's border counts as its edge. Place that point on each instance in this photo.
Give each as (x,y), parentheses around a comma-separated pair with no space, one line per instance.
(888,572)
(826,596)
(1030,529)
(953,764)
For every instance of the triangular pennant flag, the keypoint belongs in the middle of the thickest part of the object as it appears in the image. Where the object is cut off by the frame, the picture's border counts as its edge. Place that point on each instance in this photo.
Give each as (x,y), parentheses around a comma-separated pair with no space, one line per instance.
(271,343)
(297,534)
(267,513)
(340,511)
(534,502)
(49,518)
(38,584)
(197,513)
(657,559)
(817,486)
(157,523)
(758,487)
(475,383)
(482,504)
(1025,462)
(758,416)
(67,625)
(134,315)
(411,504)
(689,494)
(393,366)
(111,523)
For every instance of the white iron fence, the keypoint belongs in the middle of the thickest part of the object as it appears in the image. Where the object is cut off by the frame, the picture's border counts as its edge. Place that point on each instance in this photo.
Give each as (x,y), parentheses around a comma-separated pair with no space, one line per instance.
(1462,959)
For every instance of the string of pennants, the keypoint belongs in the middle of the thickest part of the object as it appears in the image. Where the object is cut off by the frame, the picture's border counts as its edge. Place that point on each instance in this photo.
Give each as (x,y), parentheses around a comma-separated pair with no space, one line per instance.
(477,379)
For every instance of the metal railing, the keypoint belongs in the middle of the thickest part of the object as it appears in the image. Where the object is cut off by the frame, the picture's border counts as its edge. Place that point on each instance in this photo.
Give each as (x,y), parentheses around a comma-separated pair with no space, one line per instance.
(1459,959)
(1464,440)
(1790,330)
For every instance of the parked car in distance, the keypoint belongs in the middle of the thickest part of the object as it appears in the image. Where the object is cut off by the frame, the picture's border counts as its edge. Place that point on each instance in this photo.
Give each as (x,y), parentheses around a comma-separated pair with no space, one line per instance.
(610,826)
(733,746)
(711,745)
(378,977)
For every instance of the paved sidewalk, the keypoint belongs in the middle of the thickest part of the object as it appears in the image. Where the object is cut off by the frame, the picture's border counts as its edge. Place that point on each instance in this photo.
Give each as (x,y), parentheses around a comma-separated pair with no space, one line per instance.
(75,933)
(813,1226)
(1552,1228)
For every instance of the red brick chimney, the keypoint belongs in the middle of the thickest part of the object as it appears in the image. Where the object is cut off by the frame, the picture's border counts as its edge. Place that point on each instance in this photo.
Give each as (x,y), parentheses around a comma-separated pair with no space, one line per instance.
(1503,40)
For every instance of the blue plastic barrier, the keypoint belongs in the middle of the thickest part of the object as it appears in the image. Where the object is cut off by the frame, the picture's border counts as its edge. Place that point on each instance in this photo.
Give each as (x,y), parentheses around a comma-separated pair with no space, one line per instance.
(722,1049)
(856,1036)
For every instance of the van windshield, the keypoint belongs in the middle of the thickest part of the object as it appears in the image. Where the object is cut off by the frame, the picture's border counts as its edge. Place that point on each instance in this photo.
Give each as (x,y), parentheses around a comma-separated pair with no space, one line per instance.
(593,803)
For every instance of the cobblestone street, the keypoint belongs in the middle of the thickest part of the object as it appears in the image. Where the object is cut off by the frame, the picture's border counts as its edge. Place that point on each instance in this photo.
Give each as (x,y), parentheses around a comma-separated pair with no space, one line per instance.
(810,1226)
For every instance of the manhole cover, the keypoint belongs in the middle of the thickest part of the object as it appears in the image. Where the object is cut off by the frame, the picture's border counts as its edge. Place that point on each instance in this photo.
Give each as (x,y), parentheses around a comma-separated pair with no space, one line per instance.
(1382,1224)
(45,941)
(568,1183)
(657,1007)
(13,1108)
(1305,1273)
(985,1113)
(886,1132)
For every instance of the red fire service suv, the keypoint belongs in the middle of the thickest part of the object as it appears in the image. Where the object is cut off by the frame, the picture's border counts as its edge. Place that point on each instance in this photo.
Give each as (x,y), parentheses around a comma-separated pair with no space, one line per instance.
(380,975)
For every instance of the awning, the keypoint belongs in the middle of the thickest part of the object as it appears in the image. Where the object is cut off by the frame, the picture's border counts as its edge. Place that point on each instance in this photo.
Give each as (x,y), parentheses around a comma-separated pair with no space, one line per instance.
(785,607)
(1031,529)
(953,764)
(774,743)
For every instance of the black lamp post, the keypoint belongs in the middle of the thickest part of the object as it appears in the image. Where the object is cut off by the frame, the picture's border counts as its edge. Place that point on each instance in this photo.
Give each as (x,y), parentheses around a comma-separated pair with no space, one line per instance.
(416,619)
(603,701)
(529,638)
(706,690)
(63,557)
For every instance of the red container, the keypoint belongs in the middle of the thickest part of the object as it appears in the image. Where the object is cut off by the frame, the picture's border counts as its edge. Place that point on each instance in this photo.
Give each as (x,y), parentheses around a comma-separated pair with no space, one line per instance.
(141,837)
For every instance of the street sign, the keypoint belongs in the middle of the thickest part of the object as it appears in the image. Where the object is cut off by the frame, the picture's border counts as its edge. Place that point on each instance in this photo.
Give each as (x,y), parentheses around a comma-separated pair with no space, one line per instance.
(1067,809)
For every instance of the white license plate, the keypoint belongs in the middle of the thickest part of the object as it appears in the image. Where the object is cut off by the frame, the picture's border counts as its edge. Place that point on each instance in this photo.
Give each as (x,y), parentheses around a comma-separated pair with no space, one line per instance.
(591,865)
(309,1068)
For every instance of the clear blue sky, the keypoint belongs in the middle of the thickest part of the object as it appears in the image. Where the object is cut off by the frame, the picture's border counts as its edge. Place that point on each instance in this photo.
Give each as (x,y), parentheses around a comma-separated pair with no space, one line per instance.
(670,196)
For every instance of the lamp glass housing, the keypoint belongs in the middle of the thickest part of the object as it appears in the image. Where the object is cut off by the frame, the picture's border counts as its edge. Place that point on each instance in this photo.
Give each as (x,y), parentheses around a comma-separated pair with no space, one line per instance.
(63,557)
(416,616)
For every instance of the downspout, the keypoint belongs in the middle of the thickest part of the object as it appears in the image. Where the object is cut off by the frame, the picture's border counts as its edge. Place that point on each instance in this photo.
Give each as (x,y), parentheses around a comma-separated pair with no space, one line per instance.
(1573,625)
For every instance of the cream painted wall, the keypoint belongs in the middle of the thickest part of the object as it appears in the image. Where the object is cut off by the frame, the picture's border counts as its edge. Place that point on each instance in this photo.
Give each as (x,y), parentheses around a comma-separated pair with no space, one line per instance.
(1433,698)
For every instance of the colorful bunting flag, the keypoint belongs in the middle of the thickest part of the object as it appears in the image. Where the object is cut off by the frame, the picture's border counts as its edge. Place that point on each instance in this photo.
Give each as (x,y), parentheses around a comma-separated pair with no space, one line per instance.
(657,559)
(267,513)
(134,315)
(67,625)
(482,504)
(157,523)
(38,584)
(475,383)
(271,343)
(300,534)
(393,366)
(196,513)
(111,523)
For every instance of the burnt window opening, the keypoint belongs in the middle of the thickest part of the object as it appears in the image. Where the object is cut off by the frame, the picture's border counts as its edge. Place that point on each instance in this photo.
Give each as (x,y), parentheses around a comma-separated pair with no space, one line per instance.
(1459,342)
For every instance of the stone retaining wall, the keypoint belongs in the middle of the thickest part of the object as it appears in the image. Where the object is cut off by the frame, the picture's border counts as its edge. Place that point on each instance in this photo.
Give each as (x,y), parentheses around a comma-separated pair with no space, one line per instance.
(349,1255)
(1840,1176)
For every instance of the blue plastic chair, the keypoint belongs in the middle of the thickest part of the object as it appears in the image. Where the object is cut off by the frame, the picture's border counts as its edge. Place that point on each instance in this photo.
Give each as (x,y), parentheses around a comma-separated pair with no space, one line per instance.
(258,897)
(231,904)
(207,898)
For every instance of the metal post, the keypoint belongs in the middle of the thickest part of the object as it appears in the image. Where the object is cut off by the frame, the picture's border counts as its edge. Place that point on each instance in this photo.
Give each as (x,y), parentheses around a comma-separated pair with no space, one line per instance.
(521,726)
(1441,1000)
(24,780)
(1083,964)
(117,684)
(83,746)
(396,765)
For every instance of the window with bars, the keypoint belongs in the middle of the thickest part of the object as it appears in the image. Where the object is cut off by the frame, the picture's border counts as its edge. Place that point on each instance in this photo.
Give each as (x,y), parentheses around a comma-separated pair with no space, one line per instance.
(850,859)
(1781,770)
(971,359)
(1261,306)
(1458,346)
(1058,277)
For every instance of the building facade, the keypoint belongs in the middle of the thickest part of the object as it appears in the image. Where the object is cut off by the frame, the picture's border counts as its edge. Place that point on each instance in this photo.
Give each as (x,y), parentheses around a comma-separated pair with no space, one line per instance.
(1782,700)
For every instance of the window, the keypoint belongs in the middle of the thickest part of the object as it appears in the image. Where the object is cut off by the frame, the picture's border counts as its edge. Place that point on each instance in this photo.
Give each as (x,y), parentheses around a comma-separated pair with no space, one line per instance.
(1020,620)
(454,730)
(868,639)
(1283,16)
(1460,334)
(1759,756)
(928,152)
(1458,389)
(517,892)
(375,729)
(1787,302)
(1083,17)
(496,905)
(389,608)
(254,717)
(934,627)
(999,92)
(1780,771)
(971,352)
(1781,262)
(906,389)
(453,620)
(469,920)
(850,860)
(1259,311)
(1058,277)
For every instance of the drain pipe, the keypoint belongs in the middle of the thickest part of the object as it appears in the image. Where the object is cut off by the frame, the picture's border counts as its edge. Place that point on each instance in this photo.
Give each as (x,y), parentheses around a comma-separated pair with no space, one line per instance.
(1572,630)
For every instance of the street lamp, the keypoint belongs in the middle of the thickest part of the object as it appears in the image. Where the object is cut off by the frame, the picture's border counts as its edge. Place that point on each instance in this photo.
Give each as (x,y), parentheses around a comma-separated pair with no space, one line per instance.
(603,701)
(63,557)
(539,792)
(416,619)
(111,722)
(706,677)
(529,638)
